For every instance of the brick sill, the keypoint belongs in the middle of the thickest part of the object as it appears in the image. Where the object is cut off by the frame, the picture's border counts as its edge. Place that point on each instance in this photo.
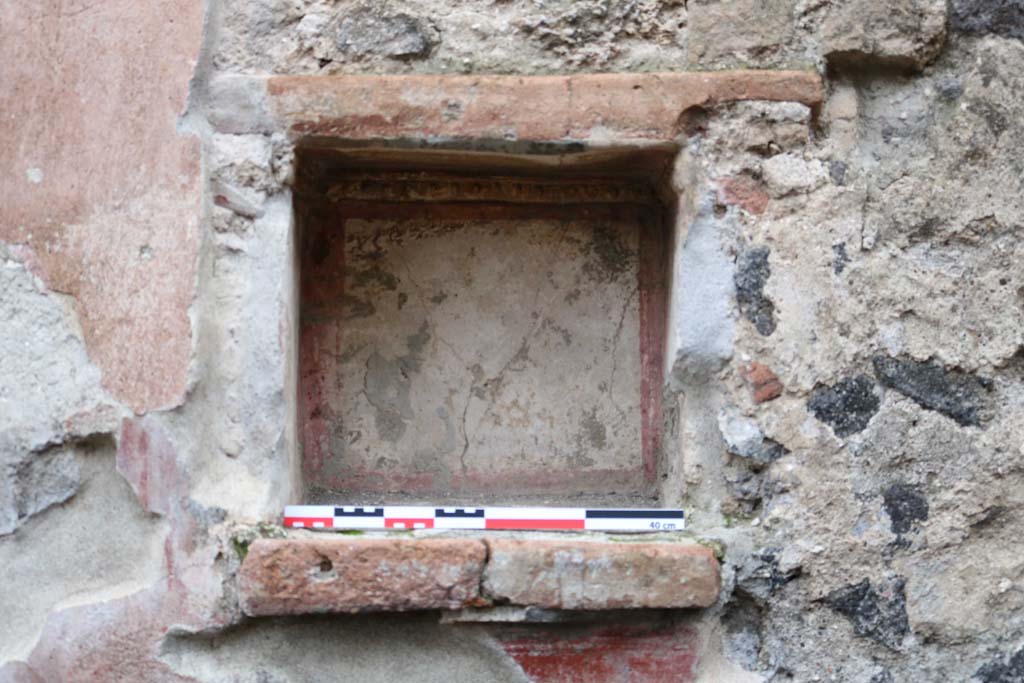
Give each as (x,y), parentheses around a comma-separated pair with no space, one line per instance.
(309,572)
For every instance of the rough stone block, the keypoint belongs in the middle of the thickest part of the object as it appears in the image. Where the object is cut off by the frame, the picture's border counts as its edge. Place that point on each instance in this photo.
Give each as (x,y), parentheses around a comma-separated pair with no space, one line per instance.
(307,575)
(743,437)
(905,34)
(787,174)
(575,575)
(369,31)
(738,31)
(750,278)
(988,17)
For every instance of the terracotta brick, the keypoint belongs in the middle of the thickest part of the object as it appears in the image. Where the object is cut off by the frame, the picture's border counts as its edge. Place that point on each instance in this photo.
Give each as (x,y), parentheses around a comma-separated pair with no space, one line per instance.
(619,107)
(744,192)
(595,575)
(764,385)
(341,574)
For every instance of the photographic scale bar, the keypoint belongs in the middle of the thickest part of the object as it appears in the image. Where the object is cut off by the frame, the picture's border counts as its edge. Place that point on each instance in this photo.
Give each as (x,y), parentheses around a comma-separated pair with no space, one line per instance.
(496,518)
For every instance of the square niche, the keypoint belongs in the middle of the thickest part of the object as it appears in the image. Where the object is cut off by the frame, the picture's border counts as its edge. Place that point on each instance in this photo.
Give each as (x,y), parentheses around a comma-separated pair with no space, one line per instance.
(482,326)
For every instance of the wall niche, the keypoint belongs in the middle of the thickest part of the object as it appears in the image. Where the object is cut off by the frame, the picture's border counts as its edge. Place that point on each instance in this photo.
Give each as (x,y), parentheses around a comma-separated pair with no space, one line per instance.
(482,324)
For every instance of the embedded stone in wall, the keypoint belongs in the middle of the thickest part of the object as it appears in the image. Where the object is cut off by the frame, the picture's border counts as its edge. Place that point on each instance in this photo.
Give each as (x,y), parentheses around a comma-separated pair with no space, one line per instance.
(988,17)
(904,34)
(1000,671)
(595,32)
(744,438)
(744,192)
(906,506)
(372,31)
(957,395)
(789,174)
(752,273)
(847,406)
(764,384)
(876,611)
(739,32)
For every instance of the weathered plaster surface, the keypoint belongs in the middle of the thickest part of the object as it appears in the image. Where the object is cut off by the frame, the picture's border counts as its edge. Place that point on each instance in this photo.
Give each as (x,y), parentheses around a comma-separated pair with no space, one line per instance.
(99,546)
(862,248)
(418,649)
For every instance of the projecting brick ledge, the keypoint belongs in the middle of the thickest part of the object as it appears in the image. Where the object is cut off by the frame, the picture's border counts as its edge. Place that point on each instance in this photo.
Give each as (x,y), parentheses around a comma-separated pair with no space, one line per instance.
(339,574)
(311,574)
(591,576)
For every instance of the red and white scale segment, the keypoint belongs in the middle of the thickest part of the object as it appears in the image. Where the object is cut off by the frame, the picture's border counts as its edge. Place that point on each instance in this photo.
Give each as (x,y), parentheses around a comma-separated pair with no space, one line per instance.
(521,518)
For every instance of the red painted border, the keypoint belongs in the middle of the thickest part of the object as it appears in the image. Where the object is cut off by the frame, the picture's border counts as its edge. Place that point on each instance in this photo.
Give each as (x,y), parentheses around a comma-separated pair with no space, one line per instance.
(322,289)
(652,274)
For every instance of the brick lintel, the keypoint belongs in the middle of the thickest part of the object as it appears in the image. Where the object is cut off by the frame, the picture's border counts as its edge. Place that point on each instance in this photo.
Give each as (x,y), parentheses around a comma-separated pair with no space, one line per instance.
(597,108)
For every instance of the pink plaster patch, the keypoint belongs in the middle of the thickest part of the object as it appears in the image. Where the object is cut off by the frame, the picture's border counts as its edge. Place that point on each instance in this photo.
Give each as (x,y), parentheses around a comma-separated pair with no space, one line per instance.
(115,221)
(146,458)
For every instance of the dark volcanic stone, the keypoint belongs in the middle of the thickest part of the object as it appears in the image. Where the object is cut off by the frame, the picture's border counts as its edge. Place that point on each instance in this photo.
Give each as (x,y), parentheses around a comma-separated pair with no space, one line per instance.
(905,506)
(998,672)
(846,407)
(768,452)
(982,17)
(837,172)
(877,614)
(752,272)
(949,89)
(839,258)
(760,575)
(956,395)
